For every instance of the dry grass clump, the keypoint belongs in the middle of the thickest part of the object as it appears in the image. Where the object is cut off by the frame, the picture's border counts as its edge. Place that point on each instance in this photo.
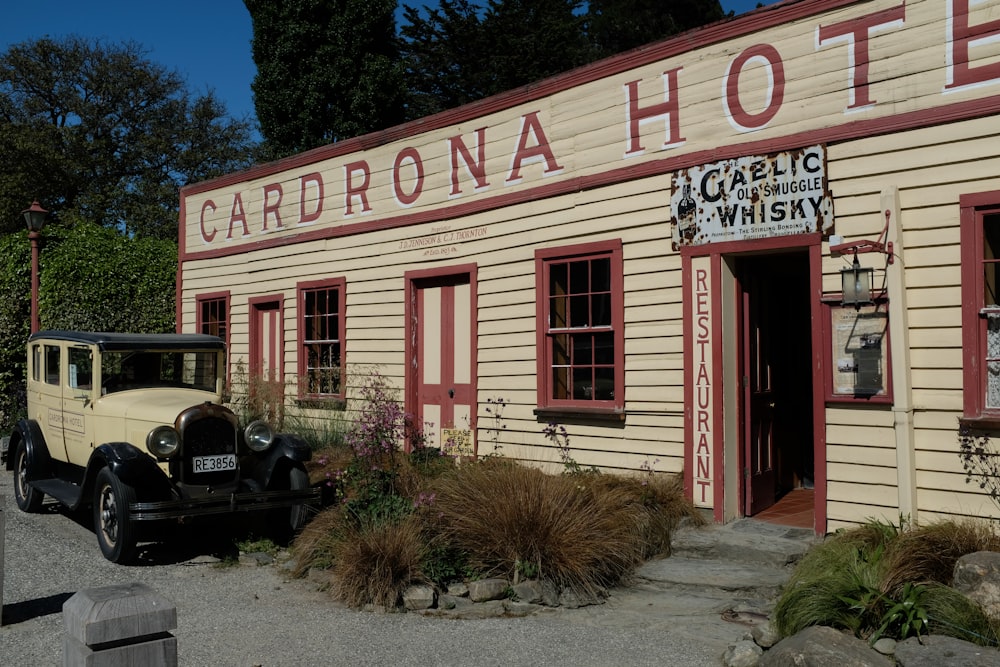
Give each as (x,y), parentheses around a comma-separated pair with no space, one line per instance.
(316,545)
(377,562)
(929,553)
(659,505)
(578,531)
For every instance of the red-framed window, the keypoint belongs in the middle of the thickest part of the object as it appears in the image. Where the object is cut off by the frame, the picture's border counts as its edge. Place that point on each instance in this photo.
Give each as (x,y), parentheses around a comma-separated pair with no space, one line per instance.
(580,327)
(212,318)
(321,338)
(213,314)
(980,246)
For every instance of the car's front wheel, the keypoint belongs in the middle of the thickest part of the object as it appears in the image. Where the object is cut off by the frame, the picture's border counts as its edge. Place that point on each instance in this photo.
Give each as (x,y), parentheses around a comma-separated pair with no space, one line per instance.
(286,522)
(116,534)
(28,498)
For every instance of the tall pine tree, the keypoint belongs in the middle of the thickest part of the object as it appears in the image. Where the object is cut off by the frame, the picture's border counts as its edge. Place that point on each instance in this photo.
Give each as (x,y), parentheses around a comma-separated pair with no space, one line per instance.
(326,70)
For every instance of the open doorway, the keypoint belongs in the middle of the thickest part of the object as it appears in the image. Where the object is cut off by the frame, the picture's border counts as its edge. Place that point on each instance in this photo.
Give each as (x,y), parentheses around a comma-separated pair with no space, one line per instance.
(775,346)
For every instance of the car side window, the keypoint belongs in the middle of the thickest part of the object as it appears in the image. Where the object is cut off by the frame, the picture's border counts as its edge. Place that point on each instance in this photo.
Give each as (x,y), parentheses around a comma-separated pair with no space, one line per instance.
(52,358)
(80,366)
(36,362)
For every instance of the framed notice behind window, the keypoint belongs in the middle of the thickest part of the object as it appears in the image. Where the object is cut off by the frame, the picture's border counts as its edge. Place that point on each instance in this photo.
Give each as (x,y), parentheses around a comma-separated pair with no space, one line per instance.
(857,353)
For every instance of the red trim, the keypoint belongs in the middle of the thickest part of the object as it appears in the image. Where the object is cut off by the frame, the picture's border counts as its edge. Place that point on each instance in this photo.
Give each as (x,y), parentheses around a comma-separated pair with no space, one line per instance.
(973,207)
(449,275)
(819,407)
(543,257)
(340,285)
(718,385)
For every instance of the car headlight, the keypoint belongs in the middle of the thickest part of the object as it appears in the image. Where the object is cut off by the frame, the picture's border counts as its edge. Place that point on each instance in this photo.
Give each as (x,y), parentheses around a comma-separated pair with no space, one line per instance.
(163,442)
(258,436)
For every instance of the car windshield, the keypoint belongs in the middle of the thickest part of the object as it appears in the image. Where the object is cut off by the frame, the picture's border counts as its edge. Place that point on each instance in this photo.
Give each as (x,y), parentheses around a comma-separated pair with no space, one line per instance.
(121,371)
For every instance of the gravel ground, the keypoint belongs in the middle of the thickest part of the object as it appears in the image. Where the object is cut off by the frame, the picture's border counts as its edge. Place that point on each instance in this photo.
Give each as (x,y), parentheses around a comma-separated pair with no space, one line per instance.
(255,615)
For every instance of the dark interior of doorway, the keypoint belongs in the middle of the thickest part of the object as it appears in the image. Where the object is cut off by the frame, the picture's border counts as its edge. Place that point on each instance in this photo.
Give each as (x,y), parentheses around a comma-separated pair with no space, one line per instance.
(777,301)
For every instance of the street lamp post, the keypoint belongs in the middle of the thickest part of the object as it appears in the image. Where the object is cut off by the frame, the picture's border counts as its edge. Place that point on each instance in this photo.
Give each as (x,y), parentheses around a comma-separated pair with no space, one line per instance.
(35,218)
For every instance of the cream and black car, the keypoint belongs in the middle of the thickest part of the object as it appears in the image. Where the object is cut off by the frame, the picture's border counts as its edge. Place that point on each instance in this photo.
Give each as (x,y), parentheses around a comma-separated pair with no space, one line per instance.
(133,425)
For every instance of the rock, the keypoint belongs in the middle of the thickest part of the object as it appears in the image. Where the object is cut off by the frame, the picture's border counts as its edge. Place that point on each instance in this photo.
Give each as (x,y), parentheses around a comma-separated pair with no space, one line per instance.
(257,558)
(572,599)
(550,594)
(820,646)
(488,589)
(529,591)
(937,650)
(459,589)
(764,634)
(519,609)
(885,646)
(419,597)
(743,654)
(977,575)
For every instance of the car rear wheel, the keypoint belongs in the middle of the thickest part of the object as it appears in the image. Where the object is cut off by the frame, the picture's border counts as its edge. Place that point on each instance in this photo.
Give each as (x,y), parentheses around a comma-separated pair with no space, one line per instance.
(28,498)
(113,524)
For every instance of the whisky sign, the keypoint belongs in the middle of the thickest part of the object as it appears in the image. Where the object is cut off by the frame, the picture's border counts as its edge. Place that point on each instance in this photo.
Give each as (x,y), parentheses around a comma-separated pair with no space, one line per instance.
(752,197)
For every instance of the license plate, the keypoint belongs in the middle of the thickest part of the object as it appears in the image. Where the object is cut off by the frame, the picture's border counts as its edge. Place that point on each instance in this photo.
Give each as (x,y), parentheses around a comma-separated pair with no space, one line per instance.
(214,463)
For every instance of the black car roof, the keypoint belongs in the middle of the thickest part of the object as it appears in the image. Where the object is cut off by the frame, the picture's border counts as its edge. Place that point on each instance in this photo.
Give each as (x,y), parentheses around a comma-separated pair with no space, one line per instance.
(130,341)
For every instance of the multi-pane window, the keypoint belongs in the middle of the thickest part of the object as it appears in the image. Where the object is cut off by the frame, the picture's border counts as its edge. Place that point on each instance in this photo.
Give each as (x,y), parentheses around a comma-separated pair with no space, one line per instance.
(321,332)
(581,352)
(213,315)
(991,307)
(980,246)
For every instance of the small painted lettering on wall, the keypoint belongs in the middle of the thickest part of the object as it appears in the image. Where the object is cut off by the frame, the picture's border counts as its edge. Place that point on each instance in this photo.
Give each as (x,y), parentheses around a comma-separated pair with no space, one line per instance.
(441,238)
(703,407)
(752,197)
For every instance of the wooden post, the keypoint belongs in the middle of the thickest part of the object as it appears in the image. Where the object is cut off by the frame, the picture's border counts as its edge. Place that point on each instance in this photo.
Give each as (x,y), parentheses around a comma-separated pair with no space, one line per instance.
(117,626)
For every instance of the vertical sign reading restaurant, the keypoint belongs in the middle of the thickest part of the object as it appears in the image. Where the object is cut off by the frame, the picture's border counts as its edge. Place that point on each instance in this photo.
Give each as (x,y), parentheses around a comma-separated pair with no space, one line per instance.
(702,399)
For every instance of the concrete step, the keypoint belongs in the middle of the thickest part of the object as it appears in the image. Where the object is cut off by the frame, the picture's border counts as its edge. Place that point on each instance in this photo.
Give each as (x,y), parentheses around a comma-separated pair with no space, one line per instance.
(745,541)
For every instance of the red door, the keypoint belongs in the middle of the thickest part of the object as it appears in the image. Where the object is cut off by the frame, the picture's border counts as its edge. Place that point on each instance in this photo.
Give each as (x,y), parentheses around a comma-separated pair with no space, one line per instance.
(758,352)
(441,368)
(266,379)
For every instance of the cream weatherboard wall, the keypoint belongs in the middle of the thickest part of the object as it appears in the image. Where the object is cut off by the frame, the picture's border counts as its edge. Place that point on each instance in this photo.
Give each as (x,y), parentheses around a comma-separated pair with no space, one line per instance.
(901,97)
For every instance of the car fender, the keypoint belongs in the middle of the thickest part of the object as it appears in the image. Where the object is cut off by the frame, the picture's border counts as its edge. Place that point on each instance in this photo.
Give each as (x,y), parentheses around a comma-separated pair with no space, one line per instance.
(132,466)
(287,451)
(39,460)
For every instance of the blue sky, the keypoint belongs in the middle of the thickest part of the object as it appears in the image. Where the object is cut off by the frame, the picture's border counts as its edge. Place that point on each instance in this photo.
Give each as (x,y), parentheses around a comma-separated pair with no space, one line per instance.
(207,41)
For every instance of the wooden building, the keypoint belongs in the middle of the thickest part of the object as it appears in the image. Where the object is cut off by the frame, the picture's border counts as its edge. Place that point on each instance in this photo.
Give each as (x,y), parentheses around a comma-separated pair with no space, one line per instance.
(650,252)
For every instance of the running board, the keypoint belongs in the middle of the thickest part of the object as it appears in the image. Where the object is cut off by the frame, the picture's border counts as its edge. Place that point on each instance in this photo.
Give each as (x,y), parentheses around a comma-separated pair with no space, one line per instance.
(65,492)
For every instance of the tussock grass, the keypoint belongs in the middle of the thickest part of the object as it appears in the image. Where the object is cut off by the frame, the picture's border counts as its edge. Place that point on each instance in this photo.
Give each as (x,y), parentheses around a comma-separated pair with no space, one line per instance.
(495,517)
(376,562)
(569,529)
(929,553)
(855,578)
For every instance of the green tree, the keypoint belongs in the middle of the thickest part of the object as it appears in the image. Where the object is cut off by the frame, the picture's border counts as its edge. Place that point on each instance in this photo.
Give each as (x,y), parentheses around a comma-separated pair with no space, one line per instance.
(326,70)
(464,50)
(101,133)
(446,58)
(460,51)
(615,26)
(95,279)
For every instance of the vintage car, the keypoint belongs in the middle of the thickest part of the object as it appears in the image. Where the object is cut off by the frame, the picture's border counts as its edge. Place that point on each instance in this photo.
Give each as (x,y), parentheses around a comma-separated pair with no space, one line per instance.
(133,426)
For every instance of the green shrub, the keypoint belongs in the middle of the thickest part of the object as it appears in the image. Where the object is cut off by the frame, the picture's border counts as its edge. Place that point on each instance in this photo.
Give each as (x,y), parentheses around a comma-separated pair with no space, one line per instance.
(885,580)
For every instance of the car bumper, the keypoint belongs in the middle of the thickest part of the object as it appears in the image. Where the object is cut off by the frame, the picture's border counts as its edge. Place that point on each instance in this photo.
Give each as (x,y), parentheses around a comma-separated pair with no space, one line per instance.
(222,504)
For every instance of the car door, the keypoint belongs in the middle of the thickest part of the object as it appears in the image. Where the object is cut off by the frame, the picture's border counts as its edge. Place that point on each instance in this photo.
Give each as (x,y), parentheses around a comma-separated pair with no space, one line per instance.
(78,403)
(45,394)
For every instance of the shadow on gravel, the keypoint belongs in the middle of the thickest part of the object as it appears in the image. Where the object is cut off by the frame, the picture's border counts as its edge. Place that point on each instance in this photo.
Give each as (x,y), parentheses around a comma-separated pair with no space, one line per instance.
(29,609)
(175,543)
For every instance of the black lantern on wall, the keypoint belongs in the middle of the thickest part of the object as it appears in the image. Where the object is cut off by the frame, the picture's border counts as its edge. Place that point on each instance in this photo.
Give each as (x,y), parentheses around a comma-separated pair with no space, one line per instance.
(856,280)
(856,284)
